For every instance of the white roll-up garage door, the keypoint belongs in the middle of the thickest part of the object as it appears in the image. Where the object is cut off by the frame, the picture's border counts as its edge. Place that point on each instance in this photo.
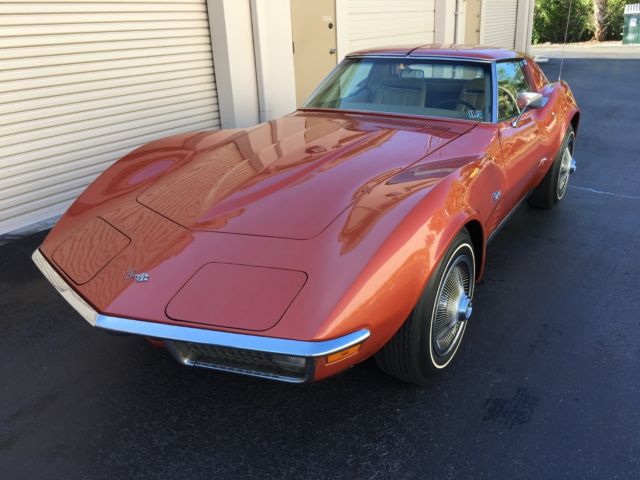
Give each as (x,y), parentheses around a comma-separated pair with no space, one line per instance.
(84,82)
(375,23)
(498,24)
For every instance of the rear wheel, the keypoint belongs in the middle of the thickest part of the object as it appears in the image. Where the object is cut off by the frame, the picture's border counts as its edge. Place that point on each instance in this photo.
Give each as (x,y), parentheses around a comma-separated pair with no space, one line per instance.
(429,339)
(554,185)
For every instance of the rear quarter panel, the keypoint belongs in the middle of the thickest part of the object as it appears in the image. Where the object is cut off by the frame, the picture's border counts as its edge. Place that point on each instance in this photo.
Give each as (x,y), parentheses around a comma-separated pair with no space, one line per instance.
(555,119)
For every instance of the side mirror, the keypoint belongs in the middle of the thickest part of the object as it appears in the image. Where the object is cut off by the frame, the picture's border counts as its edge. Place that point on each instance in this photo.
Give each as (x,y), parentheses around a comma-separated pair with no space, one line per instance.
(527,100)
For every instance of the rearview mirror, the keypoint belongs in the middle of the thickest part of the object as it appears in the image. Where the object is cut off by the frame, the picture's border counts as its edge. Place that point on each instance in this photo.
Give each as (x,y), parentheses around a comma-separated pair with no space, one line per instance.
(527,100)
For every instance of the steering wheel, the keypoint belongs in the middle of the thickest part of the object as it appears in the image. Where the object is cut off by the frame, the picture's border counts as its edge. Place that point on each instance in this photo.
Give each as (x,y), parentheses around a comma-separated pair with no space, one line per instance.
(454,101)
(509,94)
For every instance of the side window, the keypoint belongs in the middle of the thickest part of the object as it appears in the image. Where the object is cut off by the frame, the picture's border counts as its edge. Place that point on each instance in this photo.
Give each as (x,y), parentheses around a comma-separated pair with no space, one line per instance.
(511,82)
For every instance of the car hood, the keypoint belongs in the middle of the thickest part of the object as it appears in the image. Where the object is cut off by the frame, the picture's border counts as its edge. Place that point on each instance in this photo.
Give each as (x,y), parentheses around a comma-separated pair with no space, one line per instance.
(291,177)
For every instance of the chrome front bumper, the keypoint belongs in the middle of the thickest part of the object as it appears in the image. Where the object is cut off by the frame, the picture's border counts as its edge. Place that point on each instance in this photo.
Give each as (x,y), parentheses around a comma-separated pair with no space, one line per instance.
(184,340)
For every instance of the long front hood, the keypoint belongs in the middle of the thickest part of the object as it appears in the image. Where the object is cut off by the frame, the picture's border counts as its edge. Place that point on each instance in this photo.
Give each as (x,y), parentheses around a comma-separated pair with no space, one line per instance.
(291,177)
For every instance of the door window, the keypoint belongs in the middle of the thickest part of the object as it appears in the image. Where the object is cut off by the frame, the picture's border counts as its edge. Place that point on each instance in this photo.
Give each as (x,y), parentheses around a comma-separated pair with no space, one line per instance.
(511,82)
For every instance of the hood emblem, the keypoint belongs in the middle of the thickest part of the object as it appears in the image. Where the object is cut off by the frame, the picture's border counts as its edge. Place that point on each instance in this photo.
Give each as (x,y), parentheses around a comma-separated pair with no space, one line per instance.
(138,277)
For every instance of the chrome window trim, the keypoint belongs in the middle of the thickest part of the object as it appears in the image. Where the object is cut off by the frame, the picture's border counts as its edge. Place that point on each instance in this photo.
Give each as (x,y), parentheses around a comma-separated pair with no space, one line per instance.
(283,346)
(494,93)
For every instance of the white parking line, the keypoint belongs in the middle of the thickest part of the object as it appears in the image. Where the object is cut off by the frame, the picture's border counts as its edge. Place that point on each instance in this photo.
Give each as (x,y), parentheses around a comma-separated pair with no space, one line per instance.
(602,192)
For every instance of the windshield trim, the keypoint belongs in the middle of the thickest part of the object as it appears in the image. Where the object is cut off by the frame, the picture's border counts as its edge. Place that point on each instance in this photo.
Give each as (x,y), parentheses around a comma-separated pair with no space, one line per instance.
(425,57)
(387,114)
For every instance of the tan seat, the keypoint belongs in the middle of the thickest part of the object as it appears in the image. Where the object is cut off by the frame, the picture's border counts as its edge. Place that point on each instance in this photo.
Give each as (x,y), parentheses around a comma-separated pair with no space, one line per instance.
(411,92)
(473,94)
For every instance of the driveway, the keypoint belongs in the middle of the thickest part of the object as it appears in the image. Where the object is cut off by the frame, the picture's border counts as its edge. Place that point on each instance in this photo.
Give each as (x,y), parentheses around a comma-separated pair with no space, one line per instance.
(602,50)
(546,385)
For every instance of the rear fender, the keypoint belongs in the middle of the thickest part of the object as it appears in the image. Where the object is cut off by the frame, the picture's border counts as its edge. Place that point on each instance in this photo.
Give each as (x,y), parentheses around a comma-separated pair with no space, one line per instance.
(570,109)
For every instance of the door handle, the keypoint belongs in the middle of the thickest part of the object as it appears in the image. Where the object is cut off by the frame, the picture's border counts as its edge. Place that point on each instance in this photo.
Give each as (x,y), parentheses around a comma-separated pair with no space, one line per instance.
(332,51)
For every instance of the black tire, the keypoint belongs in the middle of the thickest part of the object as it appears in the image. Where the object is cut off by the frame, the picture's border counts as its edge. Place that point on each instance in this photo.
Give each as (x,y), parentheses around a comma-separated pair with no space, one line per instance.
(413,354)
(552,189)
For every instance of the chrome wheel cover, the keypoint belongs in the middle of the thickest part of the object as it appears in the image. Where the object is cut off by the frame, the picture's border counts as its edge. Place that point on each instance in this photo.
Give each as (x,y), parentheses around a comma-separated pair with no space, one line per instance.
(565,168)
(453,306)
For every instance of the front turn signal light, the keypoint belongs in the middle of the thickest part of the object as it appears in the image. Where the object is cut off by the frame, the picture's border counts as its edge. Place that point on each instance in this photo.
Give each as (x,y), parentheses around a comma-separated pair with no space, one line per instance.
(342,354)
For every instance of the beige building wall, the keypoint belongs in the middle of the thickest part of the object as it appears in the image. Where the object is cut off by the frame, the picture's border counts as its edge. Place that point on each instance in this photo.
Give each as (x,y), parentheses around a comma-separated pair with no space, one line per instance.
(253,59)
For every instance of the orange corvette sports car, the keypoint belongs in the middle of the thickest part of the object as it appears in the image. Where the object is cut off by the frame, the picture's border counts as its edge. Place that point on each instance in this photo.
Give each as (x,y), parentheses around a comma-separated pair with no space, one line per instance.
(355,226)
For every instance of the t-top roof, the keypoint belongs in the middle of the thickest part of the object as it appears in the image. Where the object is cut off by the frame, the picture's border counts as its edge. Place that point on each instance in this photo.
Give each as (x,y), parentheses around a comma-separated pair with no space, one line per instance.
(479,52)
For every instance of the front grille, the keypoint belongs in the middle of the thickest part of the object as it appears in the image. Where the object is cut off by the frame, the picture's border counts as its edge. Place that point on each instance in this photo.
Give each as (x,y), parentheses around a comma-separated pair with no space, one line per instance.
(245,362)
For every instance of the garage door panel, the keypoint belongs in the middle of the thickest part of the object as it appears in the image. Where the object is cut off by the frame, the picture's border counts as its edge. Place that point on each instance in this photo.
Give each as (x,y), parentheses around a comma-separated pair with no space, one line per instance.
(400,27)
(80,78)
(39,214)
(37,3)
(43,127)
(392,38)
(103,65)
(98,153)
(498,24)
(374,23)
(107,135)
(365,6)
(74,28)
(65,59)
(99,133)
(60,174)
(73,38)
(59,8)
(399,22)
(54,18)
(100,47)
(45,97)
(11,218)
(13,207)
(49,190)
(199,123)
(85,82)
(66,178)
(52,127)
(42,104)
(99,103)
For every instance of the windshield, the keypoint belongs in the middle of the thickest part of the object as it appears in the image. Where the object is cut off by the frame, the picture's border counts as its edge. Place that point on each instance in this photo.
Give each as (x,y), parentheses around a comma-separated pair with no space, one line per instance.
(429,87)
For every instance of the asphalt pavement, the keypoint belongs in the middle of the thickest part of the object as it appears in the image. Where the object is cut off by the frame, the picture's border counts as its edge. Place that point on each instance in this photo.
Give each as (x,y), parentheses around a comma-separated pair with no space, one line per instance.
(546,384)
(610,49)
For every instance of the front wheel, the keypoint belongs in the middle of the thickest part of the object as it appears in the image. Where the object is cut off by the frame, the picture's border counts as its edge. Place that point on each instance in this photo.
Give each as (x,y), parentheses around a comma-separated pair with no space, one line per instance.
(429,339)
(554,185)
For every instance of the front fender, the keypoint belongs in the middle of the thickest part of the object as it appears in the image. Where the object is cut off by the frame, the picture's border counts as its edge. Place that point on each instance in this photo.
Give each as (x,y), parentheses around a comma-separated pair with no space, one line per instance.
(386,291)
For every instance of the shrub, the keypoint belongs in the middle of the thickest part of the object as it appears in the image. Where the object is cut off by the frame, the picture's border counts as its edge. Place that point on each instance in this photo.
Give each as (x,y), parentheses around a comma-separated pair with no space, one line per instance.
(550,21)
